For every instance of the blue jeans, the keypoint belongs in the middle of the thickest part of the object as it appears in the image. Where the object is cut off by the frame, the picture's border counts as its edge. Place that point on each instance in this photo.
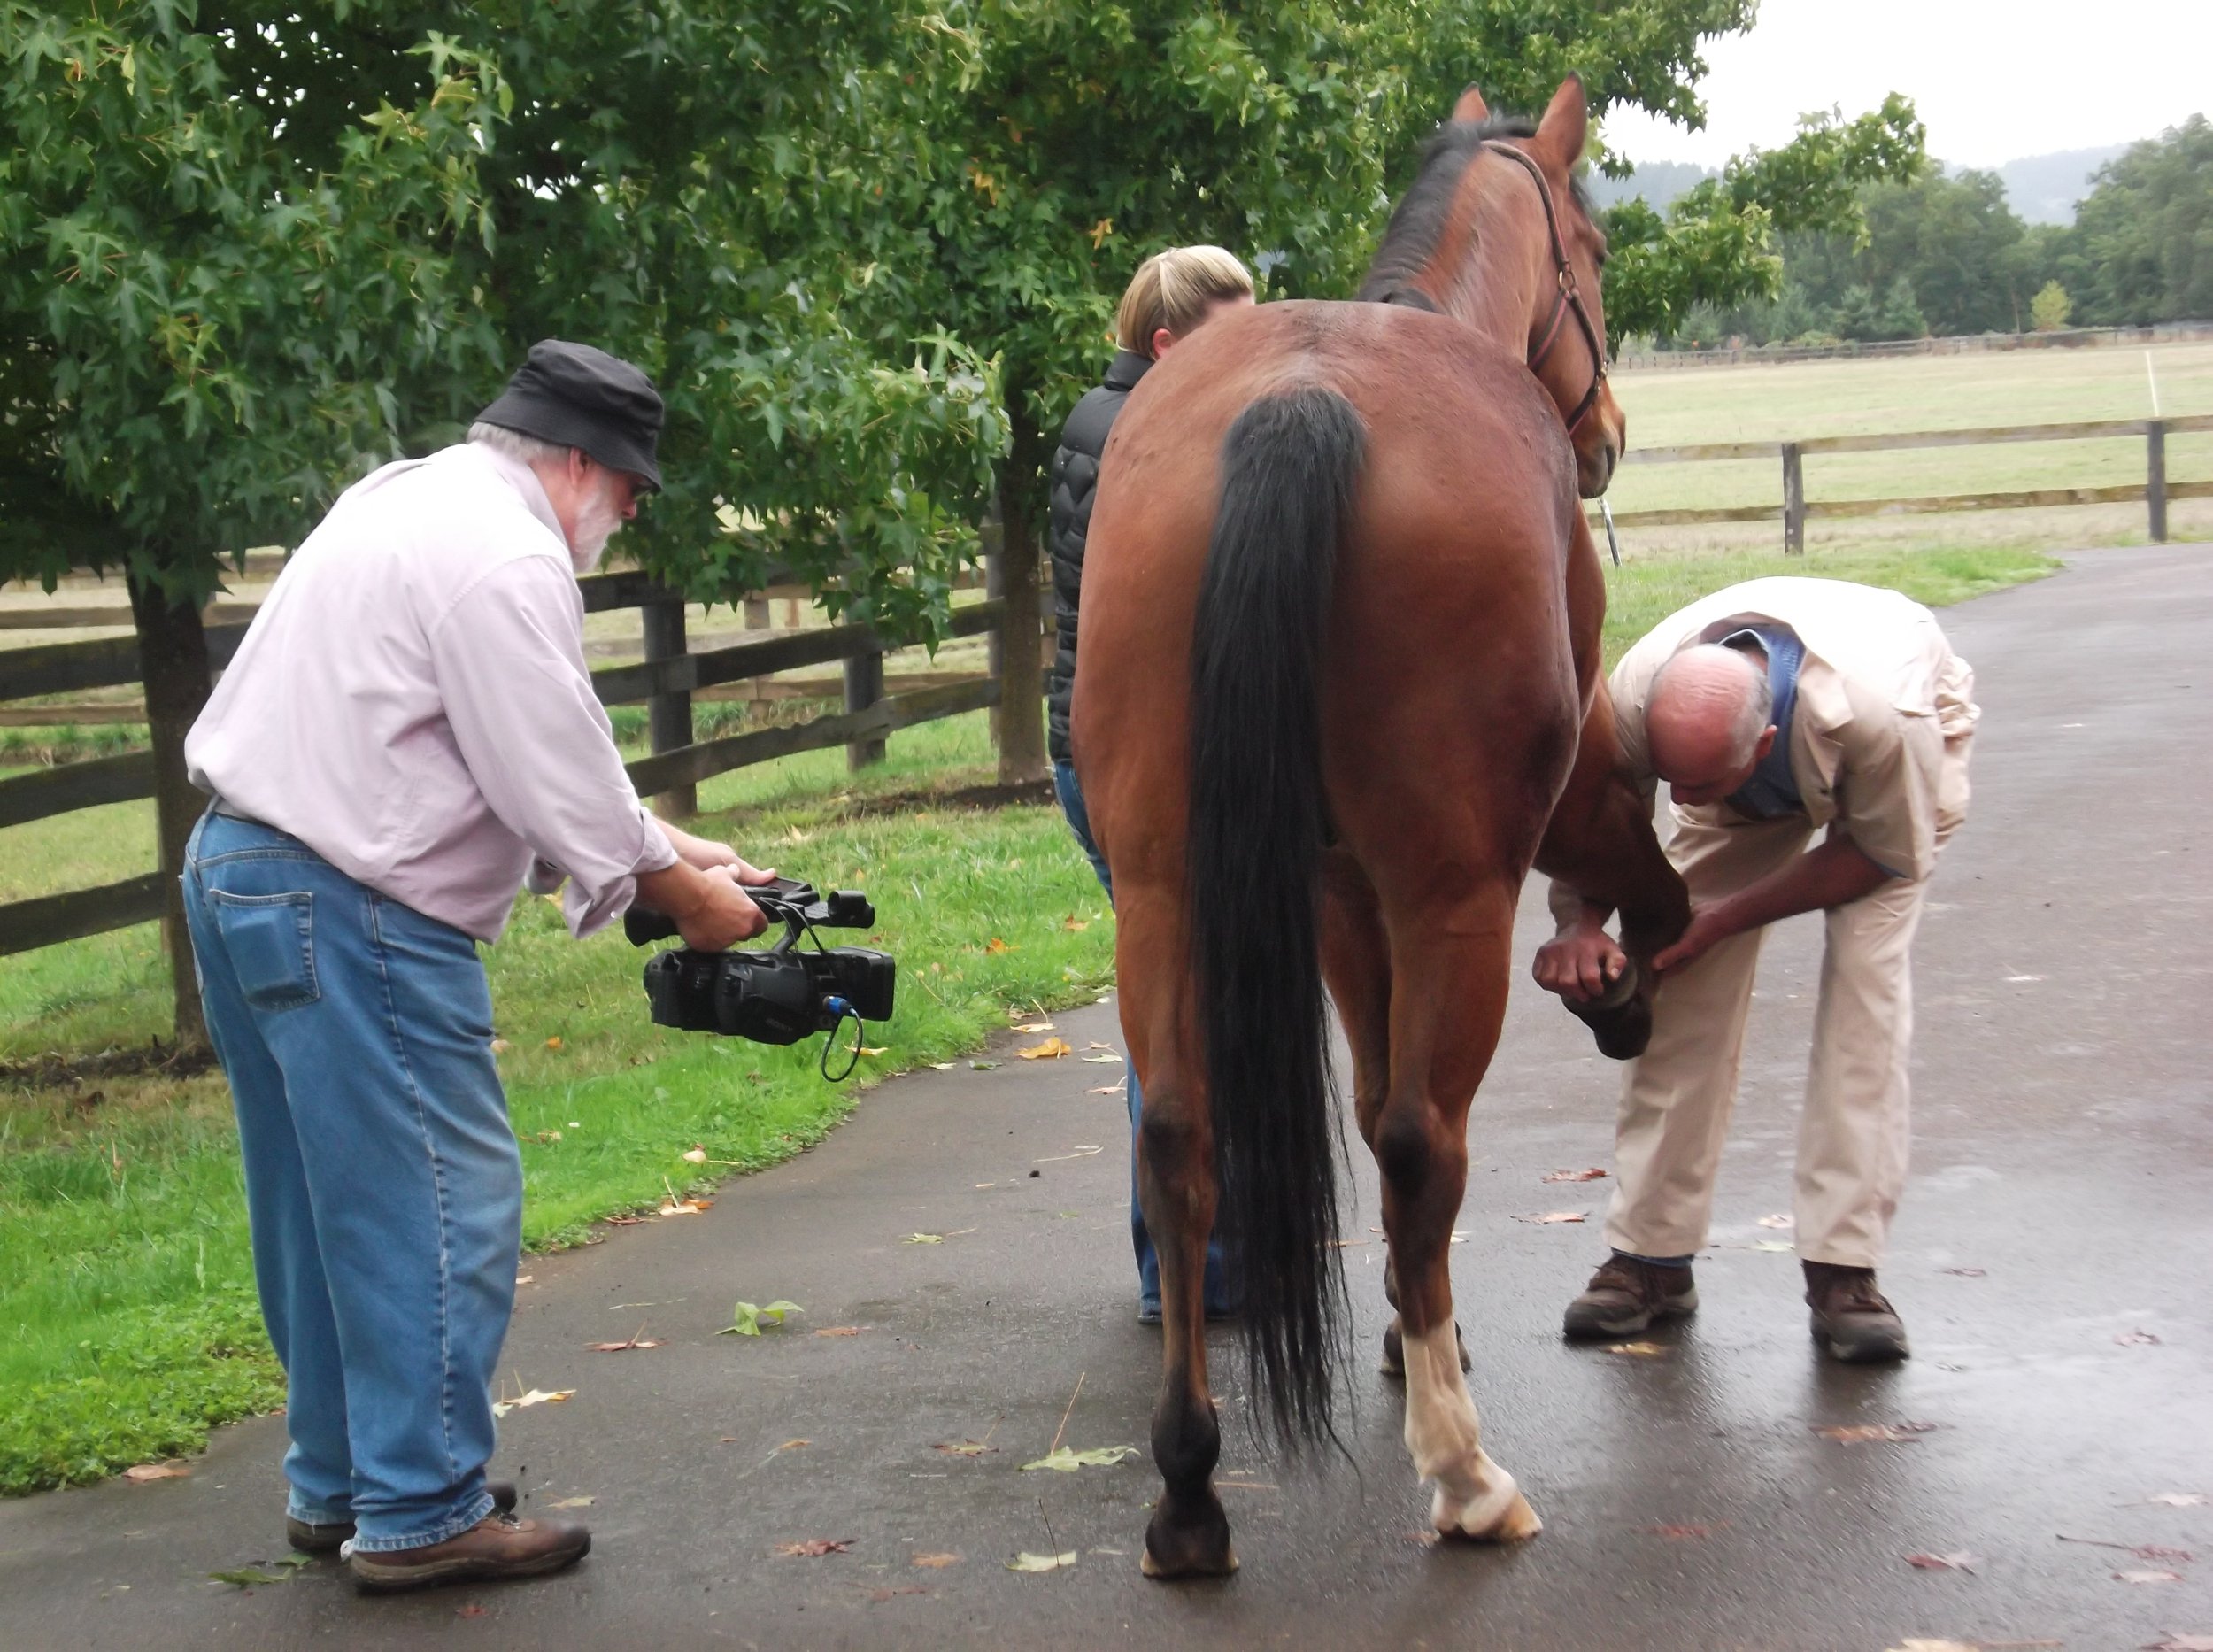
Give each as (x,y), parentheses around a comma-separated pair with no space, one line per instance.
(1218,1297)
(382,1181)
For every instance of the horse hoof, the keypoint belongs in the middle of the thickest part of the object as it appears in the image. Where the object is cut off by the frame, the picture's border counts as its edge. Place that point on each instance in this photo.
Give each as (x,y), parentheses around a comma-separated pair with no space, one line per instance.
(1196,1547)
(1394,1358)
(1501,1515)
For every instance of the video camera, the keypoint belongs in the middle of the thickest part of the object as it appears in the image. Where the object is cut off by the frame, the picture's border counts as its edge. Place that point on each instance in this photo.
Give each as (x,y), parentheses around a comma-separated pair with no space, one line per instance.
(779,994)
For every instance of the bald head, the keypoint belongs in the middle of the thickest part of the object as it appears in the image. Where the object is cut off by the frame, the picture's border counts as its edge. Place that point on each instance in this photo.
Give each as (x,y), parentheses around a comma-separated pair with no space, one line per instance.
(1707,720)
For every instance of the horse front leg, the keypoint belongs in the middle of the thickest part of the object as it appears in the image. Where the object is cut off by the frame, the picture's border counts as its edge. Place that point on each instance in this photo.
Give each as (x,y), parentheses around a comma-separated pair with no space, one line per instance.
(1441,1043)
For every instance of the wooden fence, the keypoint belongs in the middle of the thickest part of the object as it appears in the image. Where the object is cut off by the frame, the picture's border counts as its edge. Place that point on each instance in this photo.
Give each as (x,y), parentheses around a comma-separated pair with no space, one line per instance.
(1796,509)
(665,682)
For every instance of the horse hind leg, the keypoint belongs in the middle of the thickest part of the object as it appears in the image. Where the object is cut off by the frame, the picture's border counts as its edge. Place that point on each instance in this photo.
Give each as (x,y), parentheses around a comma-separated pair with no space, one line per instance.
(1441,1043)
(1188,1533)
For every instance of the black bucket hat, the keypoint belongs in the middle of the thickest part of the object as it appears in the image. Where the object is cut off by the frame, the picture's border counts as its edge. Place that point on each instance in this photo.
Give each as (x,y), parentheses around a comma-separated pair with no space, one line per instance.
(574,395)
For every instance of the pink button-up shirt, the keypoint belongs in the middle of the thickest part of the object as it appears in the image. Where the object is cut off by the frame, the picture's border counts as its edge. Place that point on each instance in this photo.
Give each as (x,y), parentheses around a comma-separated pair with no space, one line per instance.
(411,702)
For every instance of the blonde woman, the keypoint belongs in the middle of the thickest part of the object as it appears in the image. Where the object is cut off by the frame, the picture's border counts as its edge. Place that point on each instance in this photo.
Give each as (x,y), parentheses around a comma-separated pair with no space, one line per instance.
(1173,294)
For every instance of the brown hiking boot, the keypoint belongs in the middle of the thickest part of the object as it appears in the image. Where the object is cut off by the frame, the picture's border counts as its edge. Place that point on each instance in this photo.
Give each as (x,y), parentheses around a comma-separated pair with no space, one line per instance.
(329,1538)
(1626,1295)
(497,1546)
(1852,1319)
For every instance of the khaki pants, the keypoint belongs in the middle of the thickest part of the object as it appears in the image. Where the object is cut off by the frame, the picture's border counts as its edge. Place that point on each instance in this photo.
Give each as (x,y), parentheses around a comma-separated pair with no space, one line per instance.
(1854,1130)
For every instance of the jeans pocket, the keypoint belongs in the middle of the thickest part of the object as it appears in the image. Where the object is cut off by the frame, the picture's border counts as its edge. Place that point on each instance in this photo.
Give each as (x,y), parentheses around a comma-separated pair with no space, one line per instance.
(270,943)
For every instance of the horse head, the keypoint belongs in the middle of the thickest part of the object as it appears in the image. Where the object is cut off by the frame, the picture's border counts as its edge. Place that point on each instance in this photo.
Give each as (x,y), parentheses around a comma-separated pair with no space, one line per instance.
(1497,232)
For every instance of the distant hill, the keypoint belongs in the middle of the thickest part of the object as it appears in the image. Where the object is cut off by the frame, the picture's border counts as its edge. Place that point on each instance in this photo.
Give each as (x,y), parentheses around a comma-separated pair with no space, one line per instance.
(2044,189)
(2041,189)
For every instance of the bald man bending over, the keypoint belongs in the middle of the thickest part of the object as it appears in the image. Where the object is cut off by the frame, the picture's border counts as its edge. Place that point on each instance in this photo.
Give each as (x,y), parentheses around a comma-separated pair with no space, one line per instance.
(1773,709)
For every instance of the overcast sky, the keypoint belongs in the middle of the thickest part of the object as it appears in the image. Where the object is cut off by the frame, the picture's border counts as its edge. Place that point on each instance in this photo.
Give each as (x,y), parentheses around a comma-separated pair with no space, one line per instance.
(1994,80)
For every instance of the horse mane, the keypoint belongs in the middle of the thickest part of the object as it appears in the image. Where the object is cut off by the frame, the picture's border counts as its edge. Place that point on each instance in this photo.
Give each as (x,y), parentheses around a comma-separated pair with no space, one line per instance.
(1410,242)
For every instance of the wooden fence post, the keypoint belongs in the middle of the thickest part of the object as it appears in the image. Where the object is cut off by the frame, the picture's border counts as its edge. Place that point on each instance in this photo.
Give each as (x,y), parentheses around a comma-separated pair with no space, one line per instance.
(173,663)
(668,716)
(864,687)
(2155,477)
(1794,501)
(1012,575)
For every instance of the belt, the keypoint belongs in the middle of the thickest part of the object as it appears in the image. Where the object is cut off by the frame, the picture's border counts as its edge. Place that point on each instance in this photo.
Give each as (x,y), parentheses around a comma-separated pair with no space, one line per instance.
(223,807)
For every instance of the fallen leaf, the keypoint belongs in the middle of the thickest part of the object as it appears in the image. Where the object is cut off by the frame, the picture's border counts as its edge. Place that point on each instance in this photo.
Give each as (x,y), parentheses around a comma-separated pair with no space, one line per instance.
(501,1046)
(1036,1026)
(1638,1350)
(1051,1049)
(1027,1562)
(1860,1434)
(1592,1174)
(1083,1151)
(794,1445)
(995,945)
(1777,1221)
(246,1577)
(746,1320)
(1075,924)
(524,1279)
(964,1448)
(2182,1643)
(685,1207)
(925,1239)
(1773,1245)
(1959,1560)
(697,1155)
(1109,1060)
(1676,1533)
(2148,1577)
(473,1610)
(624,1221)
(839,1331)
(622,1347)
(1551,1216)
(814,1547)
(936,1563)
(1067,1459)
(1965,1273)
(875,1049)
(1105,1090)
(944,1067)
(880,1594)
(553,1044)
(2137,1339)
(537,1396)
(574,1502)
(2179,1500)
(2153,1551)
(982,1066)
(140,1473)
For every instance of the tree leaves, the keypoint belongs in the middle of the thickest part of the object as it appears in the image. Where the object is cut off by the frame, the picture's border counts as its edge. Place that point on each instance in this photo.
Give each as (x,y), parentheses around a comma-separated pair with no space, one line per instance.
(746,1320)
(1067,1459)
(1028,1562)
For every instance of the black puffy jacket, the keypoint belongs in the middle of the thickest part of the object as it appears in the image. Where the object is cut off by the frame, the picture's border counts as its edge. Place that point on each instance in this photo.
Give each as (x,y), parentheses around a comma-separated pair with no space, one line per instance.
(1075,479)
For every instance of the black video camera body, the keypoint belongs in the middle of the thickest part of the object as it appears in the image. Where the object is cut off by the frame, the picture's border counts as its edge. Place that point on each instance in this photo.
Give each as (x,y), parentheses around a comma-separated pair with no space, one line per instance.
(781,993)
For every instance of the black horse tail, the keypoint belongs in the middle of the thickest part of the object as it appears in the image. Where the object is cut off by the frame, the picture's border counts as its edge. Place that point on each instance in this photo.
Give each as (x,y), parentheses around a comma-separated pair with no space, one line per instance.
(1290,466)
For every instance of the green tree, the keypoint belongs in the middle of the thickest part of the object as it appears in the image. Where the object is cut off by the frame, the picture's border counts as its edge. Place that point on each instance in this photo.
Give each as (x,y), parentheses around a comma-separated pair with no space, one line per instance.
(2142,249)
(2049,311)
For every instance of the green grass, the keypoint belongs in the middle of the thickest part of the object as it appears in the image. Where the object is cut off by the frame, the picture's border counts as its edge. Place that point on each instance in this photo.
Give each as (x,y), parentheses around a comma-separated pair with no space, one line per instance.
(126,1319)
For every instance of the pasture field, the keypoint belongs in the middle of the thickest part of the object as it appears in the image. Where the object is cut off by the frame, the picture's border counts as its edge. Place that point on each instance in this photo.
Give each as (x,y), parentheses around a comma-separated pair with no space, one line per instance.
(1681,407)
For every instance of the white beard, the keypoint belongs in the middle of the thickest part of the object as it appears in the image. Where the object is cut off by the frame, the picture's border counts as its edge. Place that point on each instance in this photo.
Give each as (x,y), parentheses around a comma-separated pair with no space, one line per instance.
(597,520)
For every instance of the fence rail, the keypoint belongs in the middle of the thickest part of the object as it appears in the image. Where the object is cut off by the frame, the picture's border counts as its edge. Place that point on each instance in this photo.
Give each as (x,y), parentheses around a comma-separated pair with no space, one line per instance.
(1795,510)
(665,681)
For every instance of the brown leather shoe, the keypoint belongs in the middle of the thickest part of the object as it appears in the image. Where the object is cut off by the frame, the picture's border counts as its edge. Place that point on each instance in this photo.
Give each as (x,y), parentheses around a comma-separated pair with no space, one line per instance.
(1626,1295)
(329,1538)
(1852,1319)
(497,1546)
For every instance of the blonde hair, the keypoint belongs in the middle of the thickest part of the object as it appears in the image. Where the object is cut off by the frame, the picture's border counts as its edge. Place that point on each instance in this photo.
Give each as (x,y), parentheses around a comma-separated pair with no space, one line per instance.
(1173,290)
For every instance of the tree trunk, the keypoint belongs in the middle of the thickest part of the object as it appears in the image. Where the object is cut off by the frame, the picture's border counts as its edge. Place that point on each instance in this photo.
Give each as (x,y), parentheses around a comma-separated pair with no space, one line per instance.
(173,664)
(1021,721)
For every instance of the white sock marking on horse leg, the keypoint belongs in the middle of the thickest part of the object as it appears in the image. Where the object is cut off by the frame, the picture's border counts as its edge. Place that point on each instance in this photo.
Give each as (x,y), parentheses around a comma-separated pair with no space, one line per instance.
(1475,1496)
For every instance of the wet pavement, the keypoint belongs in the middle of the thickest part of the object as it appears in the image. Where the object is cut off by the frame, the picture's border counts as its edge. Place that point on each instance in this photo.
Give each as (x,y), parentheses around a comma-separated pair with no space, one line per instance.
(2049,1260)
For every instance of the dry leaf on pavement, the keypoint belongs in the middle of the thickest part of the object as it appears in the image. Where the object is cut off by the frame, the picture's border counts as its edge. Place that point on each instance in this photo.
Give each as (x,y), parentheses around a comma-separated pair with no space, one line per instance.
(964,1448)
(1965,1273)
(1959,1560)
(1084,1150)
(936,1562)
(1067,1459)
(2148,1577)
(2137,1339)
(1051,1049)
(139,1474)
(1551,1216)
(1105,1090)
(1777,1221)
(576,1502)
(1860,1433)
(1639,1350)
(2178,1500)
(622,1347)
(1592,1174)
(1036,1026)
(814,1547)
(537,1396)
(839,1331)
(1677,1533)
(2182,1643)
(1027,1562)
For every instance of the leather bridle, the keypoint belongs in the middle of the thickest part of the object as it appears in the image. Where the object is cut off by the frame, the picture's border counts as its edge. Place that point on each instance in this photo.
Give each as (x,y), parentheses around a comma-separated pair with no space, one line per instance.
(1566,297)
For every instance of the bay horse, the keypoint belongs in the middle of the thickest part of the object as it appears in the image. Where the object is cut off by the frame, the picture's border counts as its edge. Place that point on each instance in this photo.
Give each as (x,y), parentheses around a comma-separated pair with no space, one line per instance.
(1339,690)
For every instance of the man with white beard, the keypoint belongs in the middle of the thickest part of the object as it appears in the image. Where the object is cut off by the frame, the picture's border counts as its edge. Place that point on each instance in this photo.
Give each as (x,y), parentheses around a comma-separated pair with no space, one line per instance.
(407,734)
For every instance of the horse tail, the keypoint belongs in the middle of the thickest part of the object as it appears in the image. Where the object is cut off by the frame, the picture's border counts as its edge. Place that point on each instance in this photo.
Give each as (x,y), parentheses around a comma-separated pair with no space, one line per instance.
(1290,466)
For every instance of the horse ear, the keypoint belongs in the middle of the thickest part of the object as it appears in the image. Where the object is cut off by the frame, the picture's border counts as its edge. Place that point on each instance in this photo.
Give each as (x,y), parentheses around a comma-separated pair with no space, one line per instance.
(1470,108)
(1566,124)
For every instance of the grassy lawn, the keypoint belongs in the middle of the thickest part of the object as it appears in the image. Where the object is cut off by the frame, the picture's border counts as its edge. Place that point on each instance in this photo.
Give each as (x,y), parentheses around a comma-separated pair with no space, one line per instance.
(127,1326)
